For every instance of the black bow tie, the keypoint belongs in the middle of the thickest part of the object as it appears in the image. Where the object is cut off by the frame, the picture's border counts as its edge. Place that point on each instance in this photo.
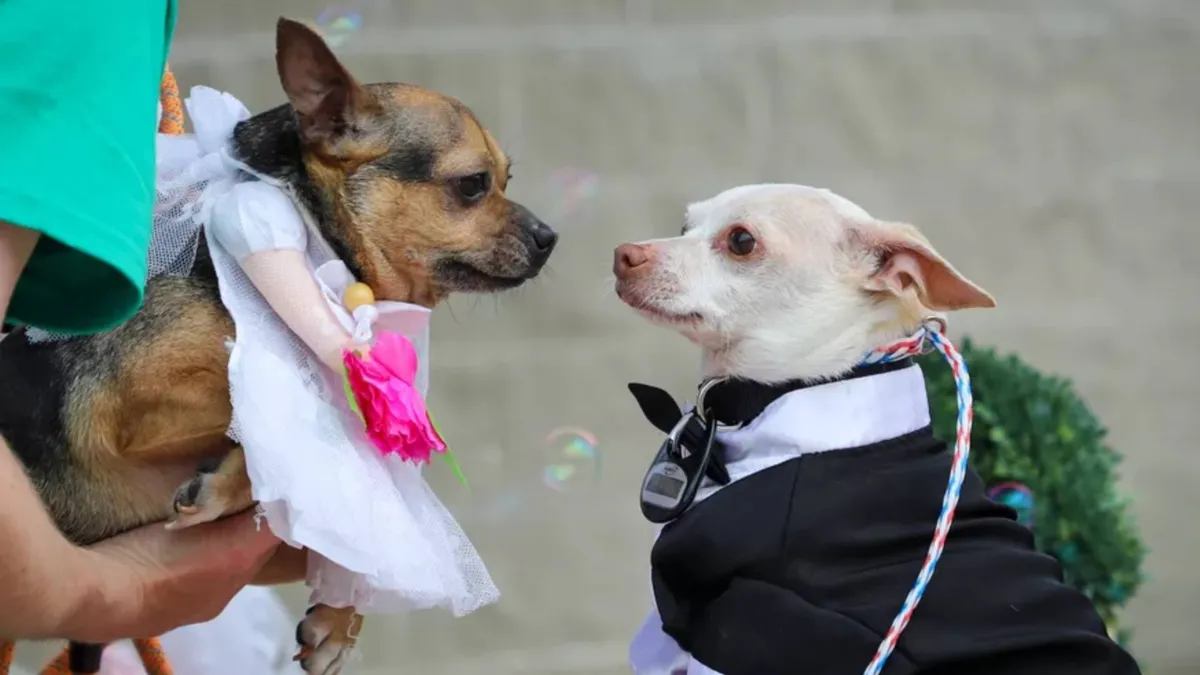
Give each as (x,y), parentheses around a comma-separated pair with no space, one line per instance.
(736,402)
(664,413)
(691,451)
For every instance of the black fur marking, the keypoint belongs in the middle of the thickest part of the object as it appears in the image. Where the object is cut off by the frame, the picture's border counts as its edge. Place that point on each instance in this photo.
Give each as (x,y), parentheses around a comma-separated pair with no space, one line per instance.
(40,380)
(193,491)
(202,267)
(210,465)
(31,406)
(412,165)
(270,144)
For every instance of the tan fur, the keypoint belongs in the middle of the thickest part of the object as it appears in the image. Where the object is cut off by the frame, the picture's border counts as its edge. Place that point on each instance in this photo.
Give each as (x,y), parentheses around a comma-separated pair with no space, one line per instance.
(406,220)
(328,633)
(211,495)
(149,401)
(138,422)
(174,386)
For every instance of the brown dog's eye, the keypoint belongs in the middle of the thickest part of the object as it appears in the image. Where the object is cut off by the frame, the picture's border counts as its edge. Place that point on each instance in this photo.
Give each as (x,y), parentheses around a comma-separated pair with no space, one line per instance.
(472,188)
(741,242)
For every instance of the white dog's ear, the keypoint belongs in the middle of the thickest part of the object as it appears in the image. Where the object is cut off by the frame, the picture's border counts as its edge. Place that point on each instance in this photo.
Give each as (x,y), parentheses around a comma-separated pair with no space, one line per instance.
(909,264)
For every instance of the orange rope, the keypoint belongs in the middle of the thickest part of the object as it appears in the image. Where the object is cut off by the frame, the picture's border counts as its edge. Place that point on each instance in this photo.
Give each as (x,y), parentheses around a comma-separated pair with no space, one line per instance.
(58,666)
(172,107)
(150,650)
(153,657)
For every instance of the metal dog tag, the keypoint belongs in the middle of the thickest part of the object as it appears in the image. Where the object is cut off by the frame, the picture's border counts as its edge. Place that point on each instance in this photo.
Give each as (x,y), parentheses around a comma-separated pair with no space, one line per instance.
(673,478)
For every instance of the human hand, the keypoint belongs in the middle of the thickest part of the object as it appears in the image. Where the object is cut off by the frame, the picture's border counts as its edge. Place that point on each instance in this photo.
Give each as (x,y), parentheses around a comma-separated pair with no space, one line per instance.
(287,565)
(148,581)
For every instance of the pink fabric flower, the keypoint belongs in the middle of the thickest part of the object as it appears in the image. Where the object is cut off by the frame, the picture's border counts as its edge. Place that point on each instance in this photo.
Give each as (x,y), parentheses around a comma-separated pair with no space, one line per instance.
(391,407)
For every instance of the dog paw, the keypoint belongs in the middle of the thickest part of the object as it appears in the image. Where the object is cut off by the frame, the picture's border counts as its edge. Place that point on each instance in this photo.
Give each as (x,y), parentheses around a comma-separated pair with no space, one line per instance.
(326,638)
(200,500)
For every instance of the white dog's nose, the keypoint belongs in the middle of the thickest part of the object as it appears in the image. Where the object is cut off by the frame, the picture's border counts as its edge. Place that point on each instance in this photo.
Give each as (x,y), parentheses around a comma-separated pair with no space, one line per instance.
(628,257)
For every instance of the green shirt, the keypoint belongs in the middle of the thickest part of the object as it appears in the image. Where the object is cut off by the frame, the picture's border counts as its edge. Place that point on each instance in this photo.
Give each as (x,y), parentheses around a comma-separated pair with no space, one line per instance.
(78,102)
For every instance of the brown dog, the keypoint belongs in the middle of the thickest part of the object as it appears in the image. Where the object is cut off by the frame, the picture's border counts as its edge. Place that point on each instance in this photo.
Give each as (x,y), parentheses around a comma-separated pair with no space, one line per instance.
(128,427)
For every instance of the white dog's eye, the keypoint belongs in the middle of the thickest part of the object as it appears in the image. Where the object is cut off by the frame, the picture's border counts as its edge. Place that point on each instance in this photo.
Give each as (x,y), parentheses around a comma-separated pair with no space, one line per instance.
(741,242)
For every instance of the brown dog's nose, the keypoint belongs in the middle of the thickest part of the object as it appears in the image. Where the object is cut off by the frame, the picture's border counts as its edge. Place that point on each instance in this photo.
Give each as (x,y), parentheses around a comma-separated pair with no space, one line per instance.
(626,257)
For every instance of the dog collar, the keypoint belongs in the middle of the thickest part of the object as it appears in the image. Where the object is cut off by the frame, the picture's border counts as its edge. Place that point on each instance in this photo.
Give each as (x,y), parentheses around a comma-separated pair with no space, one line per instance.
(738,402)
(691,451)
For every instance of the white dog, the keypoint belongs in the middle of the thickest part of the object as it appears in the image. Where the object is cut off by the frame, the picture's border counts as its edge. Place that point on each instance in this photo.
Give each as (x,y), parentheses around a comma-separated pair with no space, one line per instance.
(816,507)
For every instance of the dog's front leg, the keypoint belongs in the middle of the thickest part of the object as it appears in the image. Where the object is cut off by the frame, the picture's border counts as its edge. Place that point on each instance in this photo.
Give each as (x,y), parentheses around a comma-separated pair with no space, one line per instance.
(327,636)
(211,494)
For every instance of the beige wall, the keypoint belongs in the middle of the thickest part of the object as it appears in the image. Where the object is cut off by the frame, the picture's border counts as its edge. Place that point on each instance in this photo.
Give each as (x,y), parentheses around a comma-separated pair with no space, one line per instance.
(1049,148)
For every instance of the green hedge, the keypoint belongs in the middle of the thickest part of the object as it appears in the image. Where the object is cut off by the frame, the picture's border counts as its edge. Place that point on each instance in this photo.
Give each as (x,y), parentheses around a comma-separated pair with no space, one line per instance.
(1035,429)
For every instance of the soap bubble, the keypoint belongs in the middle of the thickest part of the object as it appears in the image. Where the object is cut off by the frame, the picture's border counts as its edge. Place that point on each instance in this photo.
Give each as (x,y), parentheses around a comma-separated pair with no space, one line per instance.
(1016,496)
(336,24)
(573,459)
(571,190)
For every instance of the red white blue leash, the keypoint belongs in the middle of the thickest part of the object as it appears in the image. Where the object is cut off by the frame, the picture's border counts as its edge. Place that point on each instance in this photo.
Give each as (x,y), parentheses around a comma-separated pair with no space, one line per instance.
(933,333)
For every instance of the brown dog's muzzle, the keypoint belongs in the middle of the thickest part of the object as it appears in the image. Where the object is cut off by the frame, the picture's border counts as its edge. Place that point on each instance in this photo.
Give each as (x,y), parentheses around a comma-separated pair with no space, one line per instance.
(516,255)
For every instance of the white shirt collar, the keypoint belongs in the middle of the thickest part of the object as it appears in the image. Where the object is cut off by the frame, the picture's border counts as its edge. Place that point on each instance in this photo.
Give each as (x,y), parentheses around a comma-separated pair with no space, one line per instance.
(828,417)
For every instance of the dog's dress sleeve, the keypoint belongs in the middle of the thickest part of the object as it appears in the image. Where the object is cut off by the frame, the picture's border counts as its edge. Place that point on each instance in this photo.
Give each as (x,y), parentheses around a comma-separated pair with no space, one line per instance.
(253,217)
(258,225)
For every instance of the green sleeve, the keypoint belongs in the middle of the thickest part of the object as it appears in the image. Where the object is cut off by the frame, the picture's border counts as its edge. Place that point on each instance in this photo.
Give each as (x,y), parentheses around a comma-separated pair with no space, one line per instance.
(78,102)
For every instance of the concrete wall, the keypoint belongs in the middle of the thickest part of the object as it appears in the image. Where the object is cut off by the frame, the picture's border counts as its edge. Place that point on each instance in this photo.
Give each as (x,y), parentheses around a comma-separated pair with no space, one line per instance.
(1049,148)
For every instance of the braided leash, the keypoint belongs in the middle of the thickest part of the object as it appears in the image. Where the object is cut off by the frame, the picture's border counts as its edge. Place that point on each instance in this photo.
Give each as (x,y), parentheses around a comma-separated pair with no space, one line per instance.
(149,650)
(933,333)
(6,657)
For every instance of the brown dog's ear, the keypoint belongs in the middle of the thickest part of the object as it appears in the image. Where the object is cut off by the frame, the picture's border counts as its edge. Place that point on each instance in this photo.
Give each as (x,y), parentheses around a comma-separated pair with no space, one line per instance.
(320,89)
(909,264)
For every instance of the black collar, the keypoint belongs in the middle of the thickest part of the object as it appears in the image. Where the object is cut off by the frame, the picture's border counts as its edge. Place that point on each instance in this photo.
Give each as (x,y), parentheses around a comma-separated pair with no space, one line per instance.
(737,402)
(691,451)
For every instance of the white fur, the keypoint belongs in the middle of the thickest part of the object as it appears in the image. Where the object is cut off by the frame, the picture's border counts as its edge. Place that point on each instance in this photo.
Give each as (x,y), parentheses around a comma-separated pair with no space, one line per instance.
(803,308)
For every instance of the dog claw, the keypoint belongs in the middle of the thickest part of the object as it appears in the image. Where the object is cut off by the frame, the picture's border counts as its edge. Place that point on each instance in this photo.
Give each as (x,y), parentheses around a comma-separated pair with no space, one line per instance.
(324,639)
(195,502)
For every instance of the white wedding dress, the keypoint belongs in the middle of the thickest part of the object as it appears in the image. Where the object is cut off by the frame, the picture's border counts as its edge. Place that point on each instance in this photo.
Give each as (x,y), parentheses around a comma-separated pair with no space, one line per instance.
(379,538)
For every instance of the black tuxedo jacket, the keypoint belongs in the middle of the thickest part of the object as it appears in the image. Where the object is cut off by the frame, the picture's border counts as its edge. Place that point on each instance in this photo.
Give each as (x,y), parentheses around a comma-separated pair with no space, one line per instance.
(800,569)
